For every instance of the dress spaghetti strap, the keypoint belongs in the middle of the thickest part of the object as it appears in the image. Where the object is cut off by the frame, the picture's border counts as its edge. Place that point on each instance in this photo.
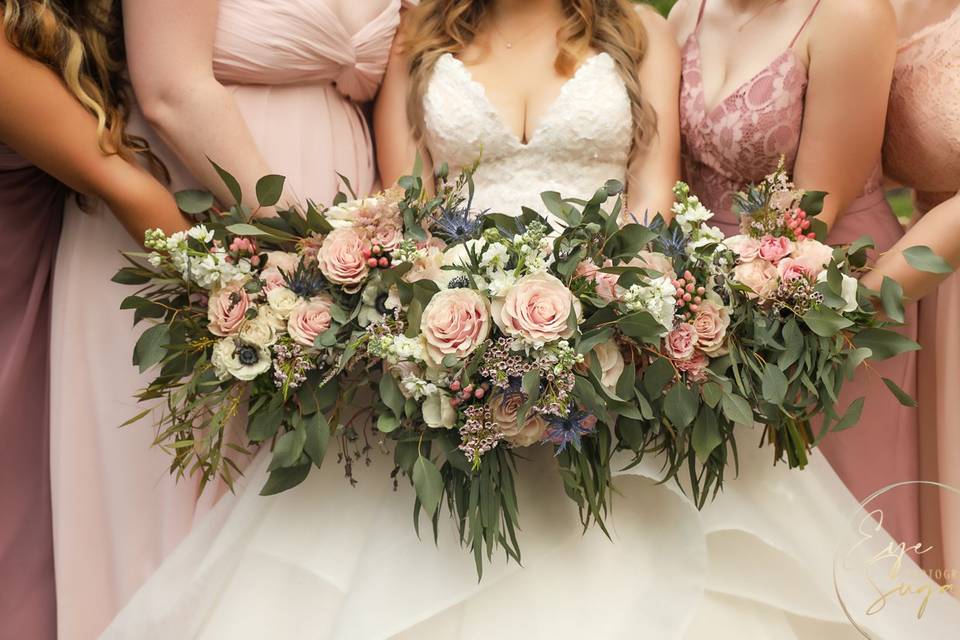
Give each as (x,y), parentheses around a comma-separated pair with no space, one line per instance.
(703,5)
(803,26)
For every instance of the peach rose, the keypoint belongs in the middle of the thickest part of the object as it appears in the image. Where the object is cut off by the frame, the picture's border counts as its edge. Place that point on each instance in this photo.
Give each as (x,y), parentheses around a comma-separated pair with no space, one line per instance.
(504,408)
(655,261)
(681,343)
(611,363)
(454,322)
(227,309)
(606,282)
(272,279)
(695,367)
(746,248)
(711,323)
(429,267)
(760,276)
(791,269)
(340,258)
(388,234)
(309,319)
(813,254)
(774,249)
(536,308)
(282,260)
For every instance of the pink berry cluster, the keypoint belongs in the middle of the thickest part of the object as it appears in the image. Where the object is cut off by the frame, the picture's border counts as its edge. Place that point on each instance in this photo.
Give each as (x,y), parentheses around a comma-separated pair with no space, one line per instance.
(689,295)
(242,247)
(466,394)
(797,222)
(376,257)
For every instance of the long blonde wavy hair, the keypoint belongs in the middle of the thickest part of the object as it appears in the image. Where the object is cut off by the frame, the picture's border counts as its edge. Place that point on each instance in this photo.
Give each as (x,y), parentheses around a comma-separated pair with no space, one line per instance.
(82,41)
(437,27)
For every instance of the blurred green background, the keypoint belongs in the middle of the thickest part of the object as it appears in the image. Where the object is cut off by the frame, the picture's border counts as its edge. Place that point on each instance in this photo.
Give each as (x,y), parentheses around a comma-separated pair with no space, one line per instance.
(663,6)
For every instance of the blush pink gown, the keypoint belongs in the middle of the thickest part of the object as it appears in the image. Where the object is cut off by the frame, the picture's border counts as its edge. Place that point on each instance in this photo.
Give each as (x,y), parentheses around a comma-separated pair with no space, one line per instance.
(31,206)
(922,151)
(740,141)
(298,76)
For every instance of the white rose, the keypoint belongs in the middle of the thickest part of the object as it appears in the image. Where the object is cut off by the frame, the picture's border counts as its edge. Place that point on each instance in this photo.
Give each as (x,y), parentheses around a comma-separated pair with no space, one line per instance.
(260,331)
(611,364)
(437,411)
(848,291)
(282,301)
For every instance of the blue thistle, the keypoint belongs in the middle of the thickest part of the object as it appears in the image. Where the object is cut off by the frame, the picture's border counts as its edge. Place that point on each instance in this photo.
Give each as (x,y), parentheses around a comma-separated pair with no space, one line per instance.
(306,280)
(569,429)
(457,225)
(673,244)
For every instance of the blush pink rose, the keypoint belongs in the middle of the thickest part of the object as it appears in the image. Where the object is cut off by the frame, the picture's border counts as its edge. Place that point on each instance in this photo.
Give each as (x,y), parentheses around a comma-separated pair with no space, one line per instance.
(536,308)
(711,323)
(226,310)
(504,408)
(454,322)
(695,367)
(388,235)
(272,279)
(791,269)
(341,258)
(812,254)
(309,319)
(655,261)
(760,276)
(774,249)
(681,342)
(606,283)
(282,260)
(746,248)
(428,267)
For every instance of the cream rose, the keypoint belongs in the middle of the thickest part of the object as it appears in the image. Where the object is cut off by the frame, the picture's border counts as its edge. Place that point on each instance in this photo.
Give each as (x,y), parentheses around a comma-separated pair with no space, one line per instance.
(429,267)
(759,275)
(504,408)
(227,309)
(454,322)
(711,323)
(282,301)
(812,254)
(309,319)
(536,308)
(260,331)
(746,248)
(611,363)
(681,343)
(341,259)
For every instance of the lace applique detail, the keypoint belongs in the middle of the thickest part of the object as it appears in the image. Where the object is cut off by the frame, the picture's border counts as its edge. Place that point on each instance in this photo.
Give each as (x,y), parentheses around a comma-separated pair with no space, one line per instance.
(922,148)
(583,140)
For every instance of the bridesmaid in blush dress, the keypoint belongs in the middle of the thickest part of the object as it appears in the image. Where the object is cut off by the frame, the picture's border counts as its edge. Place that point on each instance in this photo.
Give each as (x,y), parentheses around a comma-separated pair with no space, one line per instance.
(259,86)
(807,107)
(922,151)
(48,144)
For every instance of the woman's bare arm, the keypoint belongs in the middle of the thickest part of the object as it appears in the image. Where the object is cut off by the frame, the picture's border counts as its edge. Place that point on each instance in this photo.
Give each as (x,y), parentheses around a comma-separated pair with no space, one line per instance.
(170,55)
(852,52)
(655,169)
(940,230)
(42,121)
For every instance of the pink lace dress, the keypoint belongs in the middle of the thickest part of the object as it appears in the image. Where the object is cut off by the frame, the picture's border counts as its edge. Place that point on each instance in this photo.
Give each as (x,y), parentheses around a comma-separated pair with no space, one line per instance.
(740,141)
(299,75)
(922,151)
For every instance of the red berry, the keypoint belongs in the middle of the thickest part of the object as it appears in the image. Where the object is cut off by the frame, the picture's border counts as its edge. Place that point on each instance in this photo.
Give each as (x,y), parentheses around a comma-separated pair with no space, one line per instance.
(455,385)
(688,275)
(478,394)
(693,307)
(372,263)
(811,235)
(384,263)
(690,287)
(698,299)
(687,297)
(376,250)
(701,290)
(454,402)
(805,225)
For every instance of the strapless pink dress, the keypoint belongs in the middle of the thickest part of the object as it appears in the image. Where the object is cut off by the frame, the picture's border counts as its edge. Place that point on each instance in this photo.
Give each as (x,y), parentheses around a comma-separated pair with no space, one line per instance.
(31,206)
(922,151)
(740,141)
(299,77)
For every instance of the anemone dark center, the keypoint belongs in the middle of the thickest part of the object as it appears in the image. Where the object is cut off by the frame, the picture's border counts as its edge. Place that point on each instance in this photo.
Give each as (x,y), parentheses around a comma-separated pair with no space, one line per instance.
(247,355)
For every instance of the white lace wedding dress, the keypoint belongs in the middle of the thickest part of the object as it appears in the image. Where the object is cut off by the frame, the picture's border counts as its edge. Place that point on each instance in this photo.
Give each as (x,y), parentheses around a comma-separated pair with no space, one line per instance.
(327,561)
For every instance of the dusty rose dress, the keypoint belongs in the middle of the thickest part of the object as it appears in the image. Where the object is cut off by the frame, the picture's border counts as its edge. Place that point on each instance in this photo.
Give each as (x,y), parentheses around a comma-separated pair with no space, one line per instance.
(31,205)
(922,151)
(740,141)
(298,75)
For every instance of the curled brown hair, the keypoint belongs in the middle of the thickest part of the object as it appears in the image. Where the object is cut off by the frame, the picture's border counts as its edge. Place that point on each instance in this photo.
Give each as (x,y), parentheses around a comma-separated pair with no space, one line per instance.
(437,27)
(82,41)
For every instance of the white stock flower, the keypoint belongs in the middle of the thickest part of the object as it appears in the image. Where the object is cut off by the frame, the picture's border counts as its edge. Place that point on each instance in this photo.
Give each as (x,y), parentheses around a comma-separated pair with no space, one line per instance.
(657,299)
(691,215)
(499,282)
(495,257)
(200,233)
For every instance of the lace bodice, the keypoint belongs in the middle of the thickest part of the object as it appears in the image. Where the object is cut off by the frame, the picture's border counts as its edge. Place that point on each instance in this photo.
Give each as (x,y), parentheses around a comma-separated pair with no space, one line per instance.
(276,42)
(922,148)
(583,140)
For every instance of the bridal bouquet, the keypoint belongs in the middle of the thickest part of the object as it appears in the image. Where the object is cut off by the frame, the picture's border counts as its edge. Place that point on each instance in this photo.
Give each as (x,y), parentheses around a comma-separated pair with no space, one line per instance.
(768,326)
(257,318)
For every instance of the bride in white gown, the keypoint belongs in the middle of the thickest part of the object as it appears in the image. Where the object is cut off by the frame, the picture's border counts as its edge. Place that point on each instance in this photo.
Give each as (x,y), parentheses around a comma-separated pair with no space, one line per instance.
(327,561)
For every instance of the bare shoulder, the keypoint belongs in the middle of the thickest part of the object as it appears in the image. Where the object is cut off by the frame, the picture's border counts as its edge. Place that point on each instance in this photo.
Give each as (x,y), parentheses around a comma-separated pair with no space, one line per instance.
(662,44)
(871,17)
(682,18)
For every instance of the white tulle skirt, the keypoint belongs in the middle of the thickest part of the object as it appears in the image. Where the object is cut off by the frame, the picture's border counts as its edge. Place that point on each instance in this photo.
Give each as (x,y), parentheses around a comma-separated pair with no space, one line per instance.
(327,561)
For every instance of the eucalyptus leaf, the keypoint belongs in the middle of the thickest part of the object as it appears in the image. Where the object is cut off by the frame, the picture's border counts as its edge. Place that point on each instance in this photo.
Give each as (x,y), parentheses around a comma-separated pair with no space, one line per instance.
(281,480)
(891,294)
(317,437)
(773,385)
(428,484)
(900,394)
(706,434)
(269,190)
(825,322)
(194,201)
(851,416)
(390,394)
(884,343)
(231,183)
(737,409)
(923,258)
(151,347)
(681,405)
(288,449)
